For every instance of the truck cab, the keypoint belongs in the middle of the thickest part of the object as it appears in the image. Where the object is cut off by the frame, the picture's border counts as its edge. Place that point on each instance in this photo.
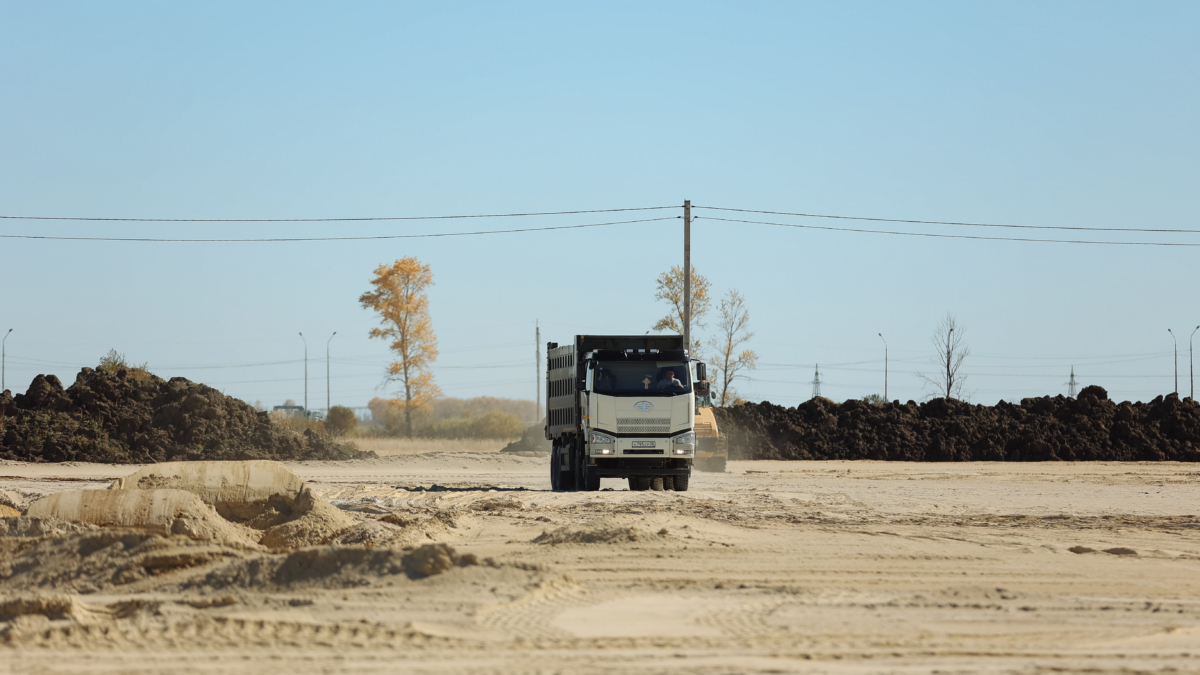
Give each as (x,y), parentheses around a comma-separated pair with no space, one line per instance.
(622,407)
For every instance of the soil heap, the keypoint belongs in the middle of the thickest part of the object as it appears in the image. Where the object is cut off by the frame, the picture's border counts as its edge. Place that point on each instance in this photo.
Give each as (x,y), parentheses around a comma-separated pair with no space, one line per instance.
(533,440)
(131,416)
(1090,427)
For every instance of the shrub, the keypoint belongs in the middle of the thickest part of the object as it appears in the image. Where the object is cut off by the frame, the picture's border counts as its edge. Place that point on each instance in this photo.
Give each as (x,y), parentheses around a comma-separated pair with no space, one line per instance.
(341,421)
(494,425)
(297,424)
(114,361)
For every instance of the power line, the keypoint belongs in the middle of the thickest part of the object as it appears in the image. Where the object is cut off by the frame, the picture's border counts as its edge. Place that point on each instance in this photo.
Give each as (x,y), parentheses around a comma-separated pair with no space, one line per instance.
(946,222)
(293,239)
(947,236)
(327,220)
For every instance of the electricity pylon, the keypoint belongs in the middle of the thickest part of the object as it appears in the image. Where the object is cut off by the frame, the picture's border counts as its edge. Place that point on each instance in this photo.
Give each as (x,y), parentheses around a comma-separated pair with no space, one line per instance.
(816,383)
(1072,385)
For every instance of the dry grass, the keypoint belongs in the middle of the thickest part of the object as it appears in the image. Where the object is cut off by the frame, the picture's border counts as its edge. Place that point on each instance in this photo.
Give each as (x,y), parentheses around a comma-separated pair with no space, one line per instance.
(416,446)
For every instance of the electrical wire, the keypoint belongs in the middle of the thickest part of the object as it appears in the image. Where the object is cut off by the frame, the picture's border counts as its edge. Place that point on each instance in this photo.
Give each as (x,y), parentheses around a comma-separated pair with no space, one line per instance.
(295,239)
(327,220)
(949,236)
(946,222)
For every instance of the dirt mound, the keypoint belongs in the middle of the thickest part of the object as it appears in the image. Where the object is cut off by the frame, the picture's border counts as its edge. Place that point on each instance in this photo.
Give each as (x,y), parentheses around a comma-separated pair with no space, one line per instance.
(162,511)
(8,511)
(126,418)
(266,497)
(25,526)
(332,567)
(1090,427)
(593,535)
(102,559)
(533,440)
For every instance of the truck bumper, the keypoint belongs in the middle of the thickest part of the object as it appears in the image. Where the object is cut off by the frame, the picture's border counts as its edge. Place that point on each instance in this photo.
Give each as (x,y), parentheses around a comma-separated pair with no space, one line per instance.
(624,467)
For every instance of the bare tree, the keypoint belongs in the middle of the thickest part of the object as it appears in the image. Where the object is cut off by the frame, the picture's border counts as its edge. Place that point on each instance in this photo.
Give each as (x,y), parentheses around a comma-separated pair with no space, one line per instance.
(947,339)
(733,318)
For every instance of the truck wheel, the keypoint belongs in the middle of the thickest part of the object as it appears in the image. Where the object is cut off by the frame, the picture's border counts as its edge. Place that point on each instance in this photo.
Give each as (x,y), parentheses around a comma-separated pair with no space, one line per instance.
(668,483)
(681,483)
(555,469)
(591,481)
(566,479)
(561,480)
(656,484)
(639,483)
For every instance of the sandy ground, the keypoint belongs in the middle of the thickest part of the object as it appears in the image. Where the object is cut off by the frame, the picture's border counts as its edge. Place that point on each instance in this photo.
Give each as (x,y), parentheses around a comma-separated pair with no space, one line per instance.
(386,447)
(772,567)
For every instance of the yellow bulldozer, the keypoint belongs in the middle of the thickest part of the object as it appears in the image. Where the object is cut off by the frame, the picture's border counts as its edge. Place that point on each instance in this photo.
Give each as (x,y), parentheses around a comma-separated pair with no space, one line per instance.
(712,450)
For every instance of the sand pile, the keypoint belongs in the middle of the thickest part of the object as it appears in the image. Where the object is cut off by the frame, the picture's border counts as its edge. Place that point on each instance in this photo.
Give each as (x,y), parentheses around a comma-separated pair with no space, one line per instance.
(332,567)
(136,417)
(102,559)
(264,497)
(1090,427)
(161,511)
(532,441)
(240,504)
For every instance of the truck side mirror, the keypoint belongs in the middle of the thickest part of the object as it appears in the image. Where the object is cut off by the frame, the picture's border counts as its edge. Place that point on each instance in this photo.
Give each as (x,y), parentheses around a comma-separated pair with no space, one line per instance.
(701,371)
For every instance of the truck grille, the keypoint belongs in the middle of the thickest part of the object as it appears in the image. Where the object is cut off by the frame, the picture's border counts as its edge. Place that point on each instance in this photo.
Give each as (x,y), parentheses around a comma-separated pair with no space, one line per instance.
(648,425)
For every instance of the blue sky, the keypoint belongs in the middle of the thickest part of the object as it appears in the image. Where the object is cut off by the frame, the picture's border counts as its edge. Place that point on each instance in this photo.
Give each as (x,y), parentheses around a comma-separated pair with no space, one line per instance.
(1078,114)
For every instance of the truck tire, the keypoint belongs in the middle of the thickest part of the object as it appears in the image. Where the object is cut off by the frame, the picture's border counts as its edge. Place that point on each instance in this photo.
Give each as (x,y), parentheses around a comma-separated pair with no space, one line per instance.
(561,480)
(668,483)
(567,478)
(656,483)
(681,483)
(586,479)
(639,483)
(591,482)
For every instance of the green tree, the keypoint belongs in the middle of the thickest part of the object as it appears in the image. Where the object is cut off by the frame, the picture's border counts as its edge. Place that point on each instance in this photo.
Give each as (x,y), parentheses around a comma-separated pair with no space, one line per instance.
(341,421)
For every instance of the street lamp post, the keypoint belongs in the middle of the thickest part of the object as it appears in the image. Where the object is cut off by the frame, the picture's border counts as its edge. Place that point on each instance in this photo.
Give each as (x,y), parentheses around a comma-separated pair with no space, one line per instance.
(1192,366)
(327,398)
(3,361)
(1176,359)
(305,376)
(885,360)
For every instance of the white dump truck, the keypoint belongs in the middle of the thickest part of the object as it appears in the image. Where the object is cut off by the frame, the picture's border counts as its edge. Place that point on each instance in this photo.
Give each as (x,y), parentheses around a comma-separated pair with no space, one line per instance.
(622,406)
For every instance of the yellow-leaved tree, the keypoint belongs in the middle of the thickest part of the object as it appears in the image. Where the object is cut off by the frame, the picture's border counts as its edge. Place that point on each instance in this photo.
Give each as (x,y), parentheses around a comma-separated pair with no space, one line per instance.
(670,290)
(399,298)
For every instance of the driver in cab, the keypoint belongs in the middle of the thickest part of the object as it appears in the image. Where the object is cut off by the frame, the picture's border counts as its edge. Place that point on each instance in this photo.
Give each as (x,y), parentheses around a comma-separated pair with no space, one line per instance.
(668,382)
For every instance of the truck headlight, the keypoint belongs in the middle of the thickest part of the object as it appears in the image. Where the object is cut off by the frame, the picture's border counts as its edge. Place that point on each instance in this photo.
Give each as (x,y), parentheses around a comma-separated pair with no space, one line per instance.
(598,438)
(686,439)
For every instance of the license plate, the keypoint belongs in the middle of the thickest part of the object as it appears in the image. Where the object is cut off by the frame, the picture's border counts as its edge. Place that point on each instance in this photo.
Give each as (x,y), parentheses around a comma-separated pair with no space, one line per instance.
(643,444)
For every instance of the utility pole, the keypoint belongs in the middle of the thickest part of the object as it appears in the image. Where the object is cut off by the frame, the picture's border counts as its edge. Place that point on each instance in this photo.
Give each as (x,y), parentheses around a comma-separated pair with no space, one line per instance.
(305,376)
(537,361)
(327,397)
(816,383)
(885,350)
(1072,384)
(687,274)
(1176,359)
(1191,365)
(4,362)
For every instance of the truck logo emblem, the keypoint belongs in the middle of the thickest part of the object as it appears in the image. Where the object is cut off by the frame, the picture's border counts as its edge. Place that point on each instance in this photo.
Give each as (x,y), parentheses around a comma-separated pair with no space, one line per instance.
(643,406)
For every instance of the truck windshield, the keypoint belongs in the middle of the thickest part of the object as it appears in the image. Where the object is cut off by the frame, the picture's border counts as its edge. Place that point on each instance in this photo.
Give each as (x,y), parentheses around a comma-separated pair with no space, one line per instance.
(664,378)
